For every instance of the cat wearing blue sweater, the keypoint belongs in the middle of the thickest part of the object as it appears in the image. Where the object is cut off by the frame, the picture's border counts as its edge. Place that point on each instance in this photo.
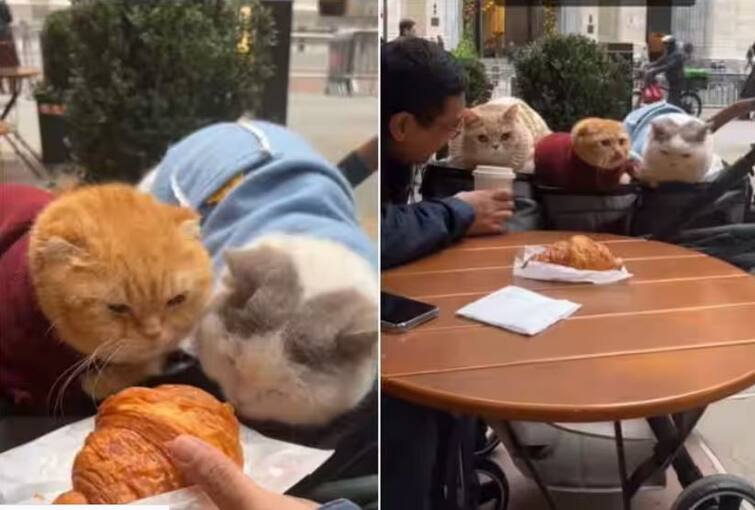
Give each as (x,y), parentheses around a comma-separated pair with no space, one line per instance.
(291,332)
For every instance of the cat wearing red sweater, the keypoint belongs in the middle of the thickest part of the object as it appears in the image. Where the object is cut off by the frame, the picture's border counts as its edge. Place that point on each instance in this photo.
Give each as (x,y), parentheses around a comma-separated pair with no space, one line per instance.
(593,158)
(99,284)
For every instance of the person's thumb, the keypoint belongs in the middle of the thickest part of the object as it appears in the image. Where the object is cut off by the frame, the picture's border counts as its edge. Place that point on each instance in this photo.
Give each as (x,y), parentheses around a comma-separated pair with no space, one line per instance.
(217,475)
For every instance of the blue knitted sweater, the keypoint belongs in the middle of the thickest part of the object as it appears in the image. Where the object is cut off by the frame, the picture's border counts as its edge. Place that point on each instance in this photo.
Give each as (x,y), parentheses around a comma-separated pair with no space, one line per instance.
(286,188)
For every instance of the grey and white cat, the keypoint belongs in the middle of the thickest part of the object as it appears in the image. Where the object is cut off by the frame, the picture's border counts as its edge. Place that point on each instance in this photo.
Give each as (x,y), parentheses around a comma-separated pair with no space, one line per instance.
(679,148)
(502,132)
(291,333)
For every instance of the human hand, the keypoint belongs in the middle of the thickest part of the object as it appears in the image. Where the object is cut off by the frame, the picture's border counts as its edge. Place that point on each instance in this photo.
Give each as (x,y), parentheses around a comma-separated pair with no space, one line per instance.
(491,206)
(223,481)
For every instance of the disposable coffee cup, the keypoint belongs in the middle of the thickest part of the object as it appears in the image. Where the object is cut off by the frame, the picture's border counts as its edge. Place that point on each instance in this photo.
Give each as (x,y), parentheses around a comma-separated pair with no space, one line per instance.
(494,177)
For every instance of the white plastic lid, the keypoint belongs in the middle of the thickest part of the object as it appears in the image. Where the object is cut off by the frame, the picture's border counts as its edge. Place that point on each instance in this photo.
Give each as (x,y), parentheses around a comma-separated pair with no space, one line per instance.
(498,171)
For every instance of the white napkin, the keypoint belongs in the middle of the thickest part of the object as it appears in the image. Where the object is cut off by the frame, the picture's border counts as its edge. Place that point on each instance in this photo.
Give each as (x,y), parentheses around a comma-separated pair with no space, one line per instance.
(519,310)
(536,270)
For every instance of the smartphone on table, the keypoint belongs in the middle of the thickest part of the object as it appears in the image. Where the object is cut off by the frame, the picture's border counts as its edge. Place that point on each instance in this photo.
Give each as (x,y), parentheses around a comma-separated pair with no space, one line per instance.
(399,314)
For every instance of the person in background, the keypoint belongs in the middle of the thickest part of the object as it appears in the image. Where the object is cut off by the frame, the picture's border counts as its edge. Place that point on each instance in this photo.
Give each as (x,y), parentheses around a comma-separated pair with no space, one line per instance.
(748,89)
(422,103)
(407,28)
(8,54)
(671,64)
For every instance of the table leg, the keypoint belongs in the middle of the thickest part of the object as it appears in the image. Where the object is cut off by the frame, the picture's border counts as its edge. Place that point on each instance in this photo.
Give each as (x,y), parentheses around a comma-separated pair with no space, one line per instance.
(530,466)
(33,162)
(9,106)
(623,477)
(459,489)
(671,435)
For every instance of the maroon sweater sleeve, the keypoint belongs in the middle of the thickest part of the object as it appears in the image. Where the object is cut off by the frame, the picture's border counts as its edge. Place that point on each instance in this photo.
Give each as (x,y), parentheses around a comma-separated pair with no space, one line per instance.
(556,164)
(32,358)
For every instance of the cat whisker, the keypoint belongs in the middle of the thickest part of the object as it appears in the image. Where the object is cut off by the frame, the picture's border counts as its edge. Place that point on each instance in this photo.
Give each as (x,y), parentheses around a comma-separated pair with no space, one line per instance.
(73,367)
(118,346)
(81,366)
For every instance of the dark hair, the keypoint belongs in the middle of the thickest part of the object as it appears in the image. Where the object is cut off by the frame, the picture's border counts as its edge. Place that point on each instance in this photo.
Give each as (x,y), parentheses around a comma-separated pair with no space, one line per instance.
(417,76)
(404,25)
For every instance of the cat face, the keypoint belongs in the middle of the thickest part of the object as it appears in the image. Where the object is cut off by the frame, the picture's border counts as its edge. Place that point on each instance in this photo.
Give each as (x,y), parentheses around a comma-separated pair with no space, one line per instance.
(291,335)
(495,135)
(602,143)
(117,273)
(679,148)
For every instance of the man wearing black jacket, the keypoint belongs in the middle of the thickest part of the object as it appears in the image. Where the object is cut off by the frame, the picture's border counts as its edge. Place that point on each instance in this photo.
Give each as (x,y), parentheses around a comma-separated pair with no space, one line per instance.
(672,65)
(422,103)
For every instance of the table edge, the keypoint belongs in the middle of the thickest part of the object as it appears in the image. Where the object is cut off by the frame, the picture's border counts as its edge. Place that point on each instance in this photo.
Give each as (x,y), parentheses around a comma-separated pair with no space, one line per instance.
(403,389)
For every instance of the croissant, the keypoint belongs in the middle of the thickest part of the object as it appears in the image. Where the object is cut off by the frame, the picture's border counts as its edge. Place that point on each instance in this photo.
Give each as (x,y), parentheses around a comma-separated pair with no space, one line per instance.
(124,458)
(580,252)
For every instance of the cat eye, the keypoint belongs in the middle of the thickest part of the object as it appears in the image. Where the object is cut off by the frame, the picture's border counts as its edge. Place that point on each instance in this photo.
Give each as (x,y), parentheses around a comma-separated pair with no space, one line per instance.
(120,309)
(177,300)
(665,152)
(505,136)
(687,155)
(483,139)
(605,143)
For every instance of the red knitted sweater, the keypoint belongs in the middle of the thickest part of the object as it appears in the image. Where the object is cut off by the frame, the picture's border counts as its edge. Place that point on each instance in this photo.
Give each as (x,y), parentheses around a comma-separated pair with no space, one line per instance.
(556,164)
(31,356)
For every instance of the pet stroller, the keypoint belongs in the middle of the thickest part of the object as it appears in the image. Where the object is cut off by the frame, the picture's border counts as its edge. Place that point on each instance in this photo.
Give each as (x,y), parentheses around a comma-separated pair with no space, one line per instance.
(714,217)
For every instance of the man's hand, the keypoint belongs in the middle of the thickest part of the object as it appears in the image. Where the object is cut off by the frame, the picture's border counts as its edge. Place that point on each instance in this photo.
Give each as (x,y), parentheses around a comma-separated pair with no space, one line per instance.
(491,206)
(223,481)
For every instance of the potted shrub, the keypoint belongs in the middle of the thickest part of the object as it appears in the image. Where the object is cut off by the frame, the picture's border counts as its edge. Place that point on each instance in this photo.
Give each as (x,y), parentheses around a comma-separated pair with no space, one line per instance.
(479,87)
(55,41)
(568,77)
(145,74)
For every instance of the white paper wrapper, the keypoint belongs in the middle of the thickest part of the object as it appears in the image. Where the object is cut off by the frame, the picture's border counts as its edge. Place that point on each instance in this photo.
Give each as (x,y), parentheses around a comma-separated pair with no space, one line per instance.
(37,472)
(543,271)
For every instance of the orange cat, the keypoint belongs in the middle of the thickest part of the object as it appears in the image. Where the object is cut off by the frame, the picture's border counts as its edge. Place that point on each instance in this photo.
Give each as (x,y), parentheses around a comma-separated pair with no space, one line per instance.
(602,143)
(594,157)
(502,132)
(120,277)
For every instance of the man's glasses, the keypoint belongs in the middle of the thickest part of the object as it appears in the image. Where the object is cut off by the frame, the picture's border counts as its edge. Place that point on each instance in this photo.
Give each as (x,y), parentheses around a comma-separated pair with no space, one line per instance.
(454,128)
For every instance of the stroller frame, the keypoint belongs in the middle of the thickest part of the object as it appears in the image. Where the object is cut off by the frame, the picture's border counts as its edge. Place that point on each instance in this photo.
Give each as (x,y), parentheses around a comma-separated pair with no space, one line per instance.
(671,431)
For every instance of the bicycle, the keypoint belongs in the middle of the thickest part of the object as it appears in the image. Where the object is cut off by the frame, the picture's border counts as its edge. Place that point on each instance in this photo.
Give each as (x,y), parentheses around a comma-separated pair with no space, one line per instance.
(651,91)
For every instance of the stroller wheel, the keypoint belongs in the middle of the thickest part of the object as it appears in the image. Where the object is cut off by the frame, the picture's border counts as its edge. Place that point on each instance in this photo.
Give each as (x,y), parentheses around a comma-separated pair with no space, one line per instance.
(716,492)
(494,486)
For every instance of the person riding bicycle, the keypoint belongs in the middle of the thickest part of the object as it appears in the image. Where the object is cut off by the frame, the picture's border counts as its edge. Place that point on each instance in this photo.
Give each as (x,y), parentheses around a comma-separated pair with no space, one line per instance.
(670,64)
(748,89)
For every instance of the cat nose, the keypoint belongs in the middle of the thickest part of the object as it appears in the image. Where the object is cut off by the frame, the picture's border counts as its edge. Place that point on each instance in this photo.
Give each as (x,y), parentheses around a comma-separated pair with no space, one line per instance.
(495,147)
(152,327)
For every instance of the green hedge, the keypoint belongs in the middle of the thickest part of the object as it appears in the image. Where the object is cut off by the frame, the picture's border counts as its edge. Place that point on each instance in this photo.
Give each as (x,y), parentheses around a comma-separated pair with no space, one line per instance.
(568,77)
(145,73)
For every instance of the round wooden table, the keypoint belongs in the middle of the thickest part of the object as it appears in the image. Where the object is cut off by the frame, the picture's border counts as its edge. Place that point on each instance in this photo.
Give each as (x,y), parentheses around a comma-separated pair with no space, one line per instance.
(678,335)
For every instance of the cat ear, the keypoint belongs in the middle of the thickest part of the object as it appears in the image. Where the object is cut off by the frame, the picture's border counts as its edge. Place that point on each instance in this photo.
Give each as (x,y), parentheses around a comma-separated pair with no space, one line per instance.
(584,129)
(356,344)
(57,249)
(191,229)
(469,117)
(510,114)
(188,222)
(237,263)
(695,131)
(659,129)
